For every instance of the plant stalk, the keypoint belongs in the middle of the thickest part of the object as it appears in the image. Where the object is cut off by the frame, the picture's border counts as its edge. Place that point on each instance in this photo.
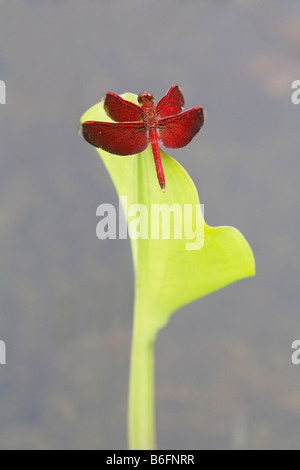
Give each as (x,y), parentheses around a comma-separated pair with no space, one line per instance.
(141,421)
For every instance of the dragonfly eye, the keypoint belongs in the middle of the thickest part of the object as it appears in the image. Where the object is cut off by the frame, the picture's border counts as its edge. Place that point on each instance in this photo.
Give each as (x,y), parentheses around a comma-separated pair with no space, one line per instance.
(145,96)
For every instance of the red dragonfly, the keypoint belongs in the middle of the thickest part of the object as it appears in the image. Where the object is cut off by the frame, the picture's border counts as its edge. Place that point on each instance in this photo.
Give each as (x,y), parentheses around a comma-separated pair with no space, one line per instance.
(136,125)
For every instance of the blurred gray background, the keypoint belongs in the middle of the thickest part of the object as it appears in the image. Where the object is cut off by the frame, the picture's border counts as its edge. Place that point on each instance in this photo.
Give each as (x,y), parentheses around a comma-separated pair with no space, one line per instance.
(224,376)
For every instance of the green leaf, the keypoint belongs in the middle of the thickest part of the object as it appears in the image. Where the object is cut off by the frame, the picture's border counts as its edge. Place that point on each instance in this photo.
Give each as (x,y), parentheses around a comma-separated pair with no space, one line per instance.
(168,275)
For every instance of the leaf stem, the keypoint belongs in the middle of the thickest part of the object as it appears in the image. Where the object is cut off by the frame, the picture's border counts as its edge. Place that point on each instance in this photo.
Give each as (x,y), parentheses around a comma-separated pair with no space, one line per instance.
(141,420)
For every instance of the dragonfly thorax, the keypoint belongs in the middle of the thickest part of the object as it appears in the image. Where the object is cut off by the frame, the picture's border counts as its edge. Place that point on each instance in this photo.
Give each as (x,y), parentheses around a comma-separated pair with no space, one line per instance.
(150,117)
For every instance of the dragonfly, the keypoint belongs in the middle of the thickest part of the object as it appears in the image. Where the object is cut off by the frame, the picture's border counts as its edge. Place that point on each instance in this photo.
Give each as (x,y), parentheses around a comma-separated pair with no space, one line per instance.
(136,126)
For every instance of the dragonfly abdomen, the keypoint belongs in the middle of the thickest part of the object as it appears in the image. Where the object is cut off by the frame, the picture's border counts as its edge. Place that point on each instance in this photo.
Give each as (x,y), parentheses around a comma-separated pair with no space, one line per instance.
(157,158)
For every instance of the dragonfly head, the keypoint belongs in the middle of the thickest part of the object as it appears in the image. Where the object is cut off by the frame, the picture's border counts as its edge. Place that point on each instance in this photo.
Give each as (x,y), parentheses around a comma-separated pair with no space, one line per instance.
(145,96)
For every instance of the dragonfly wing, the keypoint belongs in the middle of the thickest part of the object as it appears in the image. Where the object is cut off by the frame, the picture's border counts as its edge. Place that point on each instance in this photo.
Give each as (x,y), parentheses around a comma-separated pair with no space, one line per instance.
(121,110)
(177,131)
(117,138)
(170,104)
